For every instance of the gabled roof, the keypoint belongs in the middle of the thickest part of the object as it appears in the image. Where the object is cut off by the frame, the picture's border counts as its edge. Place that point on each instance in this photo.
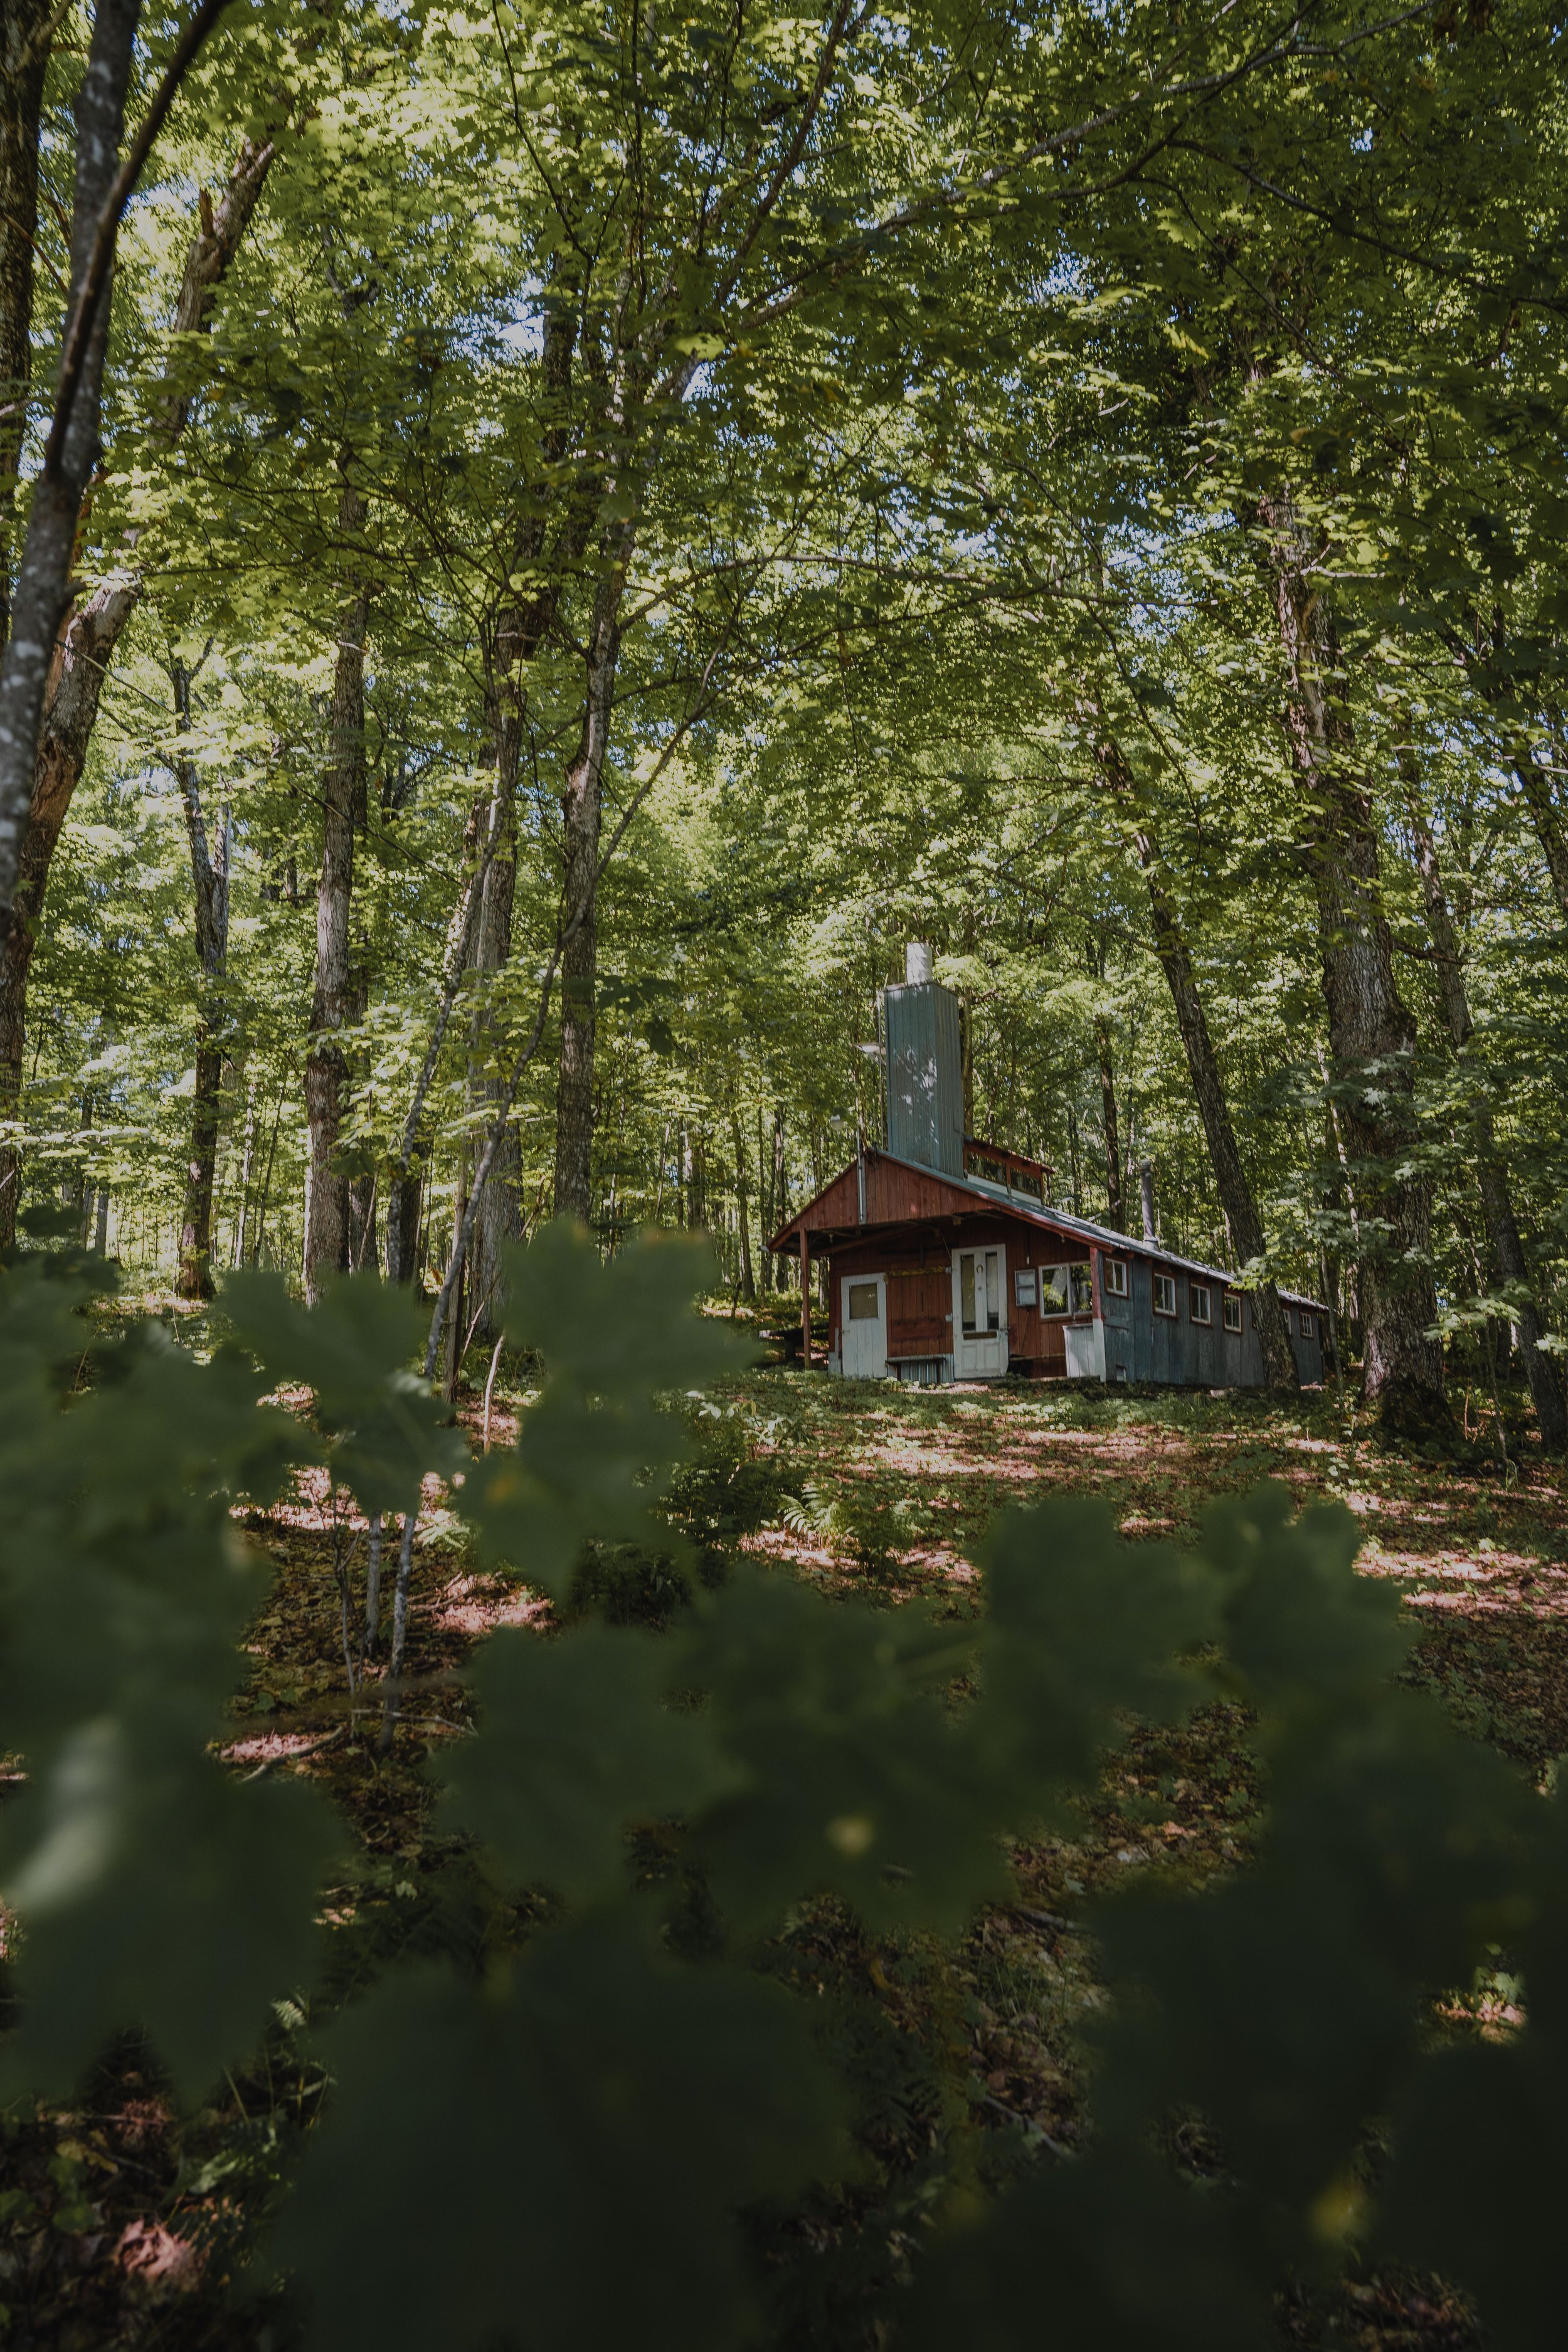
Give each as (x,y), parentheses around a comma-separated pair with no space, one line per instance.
(843,1195)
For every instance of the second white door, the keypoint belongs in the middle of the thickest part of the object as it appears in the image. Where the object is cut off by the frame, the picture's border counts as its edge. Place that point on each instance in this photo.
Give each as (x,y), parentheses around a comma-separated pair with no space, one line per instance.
(979,1313)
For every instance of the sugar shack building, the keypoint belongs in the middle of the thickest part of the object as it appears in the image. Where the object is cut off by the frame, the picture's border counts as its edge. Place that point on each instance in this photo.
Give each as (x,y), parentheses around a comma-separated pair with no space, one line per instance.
(947,1261)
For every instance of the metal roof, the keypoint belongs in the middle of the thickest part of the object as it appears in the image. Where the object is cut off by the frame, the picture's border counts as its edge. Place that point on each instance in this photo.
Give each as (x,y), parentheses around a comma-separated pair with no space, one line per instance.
(1063,1220)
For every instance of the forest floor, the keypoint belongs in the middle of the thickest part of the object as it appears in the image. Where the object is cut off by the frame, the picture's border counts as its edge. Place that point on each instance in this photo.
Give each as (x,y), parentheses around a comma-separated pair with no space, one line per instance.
(125,2225)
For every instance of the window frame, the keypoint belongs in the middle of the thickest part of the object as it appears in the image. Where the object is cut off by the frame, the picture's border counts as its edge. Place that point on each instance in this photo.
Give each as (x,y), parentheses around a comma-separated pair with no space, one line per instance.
(1072,1305)
(860,1284)
(1115,1276)
(1229,1303)
(1030,1276)
(1308,1319)
(1204,1290)
(1169,1282)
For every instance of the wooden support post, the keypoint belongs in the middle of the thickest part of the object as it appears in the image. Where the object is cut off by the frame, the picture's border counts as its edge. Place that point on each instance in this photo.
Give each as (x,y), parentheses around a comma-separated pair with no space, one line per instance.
(804,1299)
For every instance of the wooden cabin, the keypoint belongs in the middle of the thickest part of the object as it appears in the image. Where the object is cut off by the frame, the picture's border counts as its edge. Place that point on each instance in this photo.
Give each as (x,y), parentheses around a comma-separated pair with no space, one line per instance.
(946,1260)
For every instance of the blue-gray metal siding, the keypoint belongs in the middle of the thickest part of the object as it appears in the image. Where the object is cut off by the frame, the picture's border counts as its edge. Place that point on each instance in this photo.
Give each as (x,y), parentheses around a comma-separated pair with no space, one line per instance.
(1308,1353)
(1121,1332)
(925,1077)
(1175,1348)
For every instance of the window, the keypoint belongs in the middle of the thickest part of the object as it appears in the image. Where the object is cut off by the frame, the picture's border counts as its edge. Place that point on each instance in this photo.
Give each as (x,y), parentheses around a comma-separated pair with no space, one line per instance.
(1308,1325)
(1232,1311)
(1113,1273)
(1024,1180)
(980,1291)
(1164,1295)
(1024,1286)
(1065,1290)
(864,1303)
(1198,1306)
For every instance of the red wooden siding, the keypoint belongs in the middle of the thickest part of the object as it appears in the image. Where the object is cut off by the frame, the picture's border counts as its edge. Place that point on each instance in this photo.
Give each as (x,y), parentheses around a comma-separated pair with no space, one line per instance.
(894,1194)
(918,1269)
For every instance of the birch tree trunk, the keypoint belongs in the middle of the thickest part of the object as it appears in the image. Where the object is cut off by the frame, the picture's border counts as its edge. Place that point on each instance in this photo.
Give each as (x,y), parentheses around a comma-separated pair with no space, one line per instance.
(24,59)
(80,657)
(326,1063)
(75,682)
(209,876)
(1371,1036)
(43,587)
(1247,1242)
(1491,1174)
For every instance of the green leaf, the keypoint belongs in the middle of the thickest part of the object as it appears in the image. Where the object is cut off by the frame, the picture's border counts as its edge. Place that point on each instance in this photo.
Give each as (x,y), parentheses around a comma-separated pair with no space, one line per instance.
(354,1349)
(584,2131)
(156,1895)
(594,1451)
(1136,2262)
(1299,1624)
(1082,1625)
(859,1783)
(576,1742)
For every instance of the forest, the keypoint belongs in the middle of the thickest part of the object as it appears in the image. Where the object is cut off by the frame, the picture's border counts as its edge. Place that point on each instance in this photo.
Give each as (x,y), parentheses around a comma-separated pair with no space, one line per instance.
(541,549)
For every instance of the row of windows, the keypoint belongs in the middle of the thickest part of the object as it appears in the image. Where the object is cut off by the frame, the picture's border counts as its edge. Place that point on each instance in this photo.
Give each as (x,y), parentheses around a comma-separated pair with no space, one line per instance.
(1069,1290)
(1200,1306)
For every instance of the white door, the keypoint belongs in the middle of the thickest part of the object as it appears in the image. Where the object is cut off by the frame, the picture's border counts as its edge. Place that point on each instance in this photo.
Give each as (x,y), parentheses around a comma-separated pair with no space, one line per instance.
(979,1313)
(863,1328)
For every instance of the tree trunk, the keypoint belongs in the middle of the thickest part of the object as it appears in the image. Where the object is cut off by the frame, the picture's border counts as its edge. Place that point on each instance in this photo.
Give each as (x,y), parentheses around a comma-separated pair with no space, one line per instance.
(498,1214)
(43,587)
(1248,1242)
(1491,1175)
(326,1065)
(482,925)
(70,712)
(743,1211)
(212,249)
(402,1262)
(246,1169)
(456,1265)
(76,668)
(1371,1036)
(24,58)
(780,1209)
(209,875)
(404,1178)
(1115,1213)
(498,1218)
(581,809)
(1546,816)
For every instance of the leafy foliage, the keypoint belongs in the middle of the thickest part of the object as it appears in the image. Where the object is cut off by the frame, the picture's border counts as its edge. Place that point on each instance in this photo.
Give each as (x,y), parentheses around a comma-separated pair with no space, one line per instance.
(585,2105)
(615,1338)
(582,2132)
(157,1893)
